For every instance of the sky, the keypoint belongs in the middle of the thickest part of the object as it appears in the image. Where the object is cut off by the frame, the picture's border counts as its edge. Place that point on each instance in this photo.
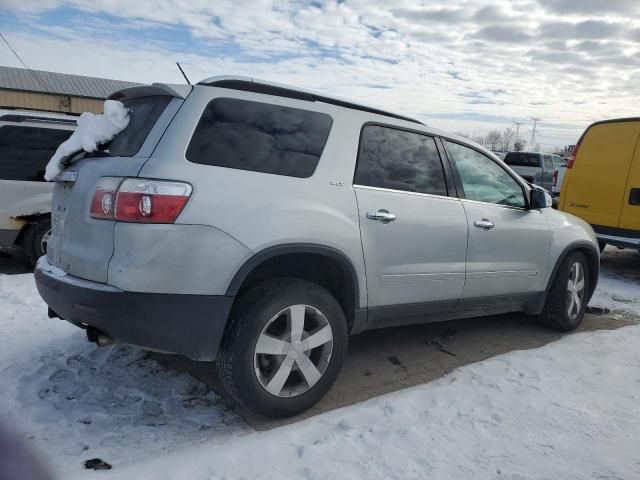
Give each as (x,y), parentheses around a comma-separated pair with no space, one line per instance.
(462,65)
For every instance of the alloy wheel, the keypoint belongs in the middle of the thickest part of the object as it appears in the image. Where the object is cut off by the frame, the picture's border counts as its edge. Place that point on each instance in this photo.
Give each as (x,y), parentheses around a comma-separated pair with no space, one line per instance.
(293,351)
(575,290)
(45,241)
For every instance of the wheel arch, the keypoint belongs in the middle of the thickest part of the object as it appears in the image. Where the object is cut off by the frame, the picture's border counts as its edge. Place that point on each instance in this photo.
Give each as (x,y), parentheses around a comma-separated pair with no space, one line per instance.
(593,258)
(321,264)
(30,220)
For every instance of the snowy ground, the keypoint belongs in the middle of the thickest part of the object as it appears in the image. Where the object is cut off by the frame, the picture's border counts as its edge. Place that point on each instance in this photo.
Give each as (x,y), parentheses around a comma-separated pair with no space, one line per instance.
(570,409)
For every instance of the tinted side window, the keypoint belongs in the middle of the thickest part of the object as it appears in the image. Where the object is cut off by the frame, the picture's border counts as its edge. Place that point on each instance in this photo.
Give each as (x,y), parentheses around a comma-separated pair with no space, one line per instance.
(483,179)
(548,164)
(259,137)
(520,159)
(400,160)
(25,151)
(143,114)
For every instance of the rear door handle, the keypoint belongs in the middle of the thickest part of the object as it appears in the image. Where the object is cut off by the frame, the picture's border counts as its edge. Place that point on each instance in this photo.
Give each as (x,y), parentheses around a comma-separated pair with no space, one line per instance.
(484,223)
(381,215)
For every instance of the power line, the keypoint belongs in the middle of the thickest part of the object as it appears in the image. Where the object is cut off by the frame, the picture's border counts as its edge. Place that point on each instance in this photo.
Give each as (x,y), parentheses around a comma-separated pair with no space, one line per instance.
(24,64)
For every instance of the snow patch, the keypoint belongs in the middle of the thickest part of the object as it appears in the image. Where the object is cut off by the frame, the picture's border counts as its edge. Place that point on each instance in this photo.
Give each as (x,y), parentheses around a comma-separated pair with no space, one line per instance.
(44,265)
(93,130)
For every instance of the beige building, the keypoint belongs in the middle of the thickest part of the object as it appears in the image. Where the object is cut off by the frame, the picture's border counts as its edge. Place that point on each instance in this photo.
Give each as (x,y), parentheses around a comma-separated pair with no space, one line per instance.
(55,92)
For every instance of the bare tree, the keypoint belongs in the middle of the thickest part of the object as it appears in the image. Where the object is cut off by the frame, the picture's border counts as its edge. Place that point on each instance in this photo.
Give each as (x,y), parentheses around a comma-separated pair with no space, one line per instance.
(492,140)
(507,139)
(478,139)
(519,145)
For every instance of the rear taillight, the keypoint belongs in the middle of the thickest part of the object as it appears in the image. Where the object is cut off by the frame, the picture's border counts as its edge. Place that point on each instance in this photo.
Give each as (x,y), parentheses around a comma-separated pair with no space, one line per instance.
(555,177)
(141,200)
(573,156)
(104,198)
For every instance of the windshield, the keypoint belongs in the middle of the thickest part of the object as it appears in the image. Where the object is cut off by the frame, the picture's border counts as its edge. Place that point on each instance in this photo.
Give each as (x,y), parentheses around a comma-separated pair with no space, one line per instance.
(144,112)
(519,159)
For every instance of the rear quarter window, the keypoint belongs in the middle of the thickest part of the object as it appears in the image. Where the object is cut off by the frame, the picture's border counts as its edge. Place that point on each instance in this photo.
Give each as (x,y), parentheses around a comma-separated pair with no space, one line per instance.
(259,137)
(519,159)
(143,114)
(25,151)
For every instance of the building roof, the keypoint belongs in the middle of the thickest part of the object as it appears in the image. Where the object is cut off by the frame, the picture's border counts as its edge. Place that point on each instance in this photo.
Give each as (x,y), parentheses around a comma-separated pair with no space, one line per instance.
(59,83)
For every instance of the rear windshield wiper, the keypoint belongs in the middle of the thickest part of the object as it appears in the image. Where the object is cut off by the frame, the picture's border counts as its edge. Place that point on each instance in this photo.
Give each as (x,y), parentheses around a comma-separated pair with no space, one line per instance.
(80,154)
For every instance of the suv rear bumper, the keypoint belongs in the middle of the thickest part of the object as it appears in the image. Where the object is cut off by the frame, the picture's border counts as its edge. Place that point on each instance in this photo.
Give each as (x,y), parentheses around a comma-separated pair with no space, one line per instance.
(190,325)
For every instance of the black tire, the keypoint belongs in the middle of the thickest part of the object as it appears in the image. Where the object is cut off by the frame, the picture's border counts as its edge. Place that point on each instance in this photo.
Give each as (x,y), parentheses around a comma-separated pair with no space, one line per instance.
(33,239)
(556,310)
(250,315)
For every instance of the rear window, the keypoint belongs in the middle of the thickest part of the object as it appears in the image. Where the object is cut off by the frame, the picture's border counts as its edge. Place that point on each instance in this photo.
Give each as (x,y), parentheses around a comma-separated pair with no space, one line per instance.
(143,114)
(519,159)
(259,137)
(25,151)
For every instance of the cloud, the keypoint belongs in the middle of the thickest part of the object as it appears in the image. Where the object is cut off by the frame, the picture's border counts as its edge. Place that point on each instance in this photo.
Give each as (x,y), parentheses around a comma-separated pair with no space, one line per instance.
(504,33)
(569,62)
(591,7)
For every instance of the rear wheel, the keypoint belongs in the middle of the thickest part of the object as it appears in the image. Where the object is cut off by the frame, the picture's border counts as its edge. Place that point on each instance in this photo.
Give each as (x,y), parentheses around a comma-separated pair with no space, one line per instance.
(285,345)
(567,299)
(35,239)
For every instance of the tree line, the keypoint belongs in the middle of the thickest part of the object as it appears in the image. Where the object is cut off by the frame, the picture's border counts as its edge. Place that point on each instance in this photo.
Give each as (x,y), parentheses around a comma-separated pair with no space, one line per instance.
(497,141)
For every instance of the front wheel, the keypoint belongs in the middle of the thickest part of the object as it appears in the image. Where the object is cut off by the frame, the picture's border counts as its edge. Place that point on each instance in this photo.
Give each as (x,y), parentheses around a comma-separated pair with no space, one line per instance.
(567,299)
(284,348)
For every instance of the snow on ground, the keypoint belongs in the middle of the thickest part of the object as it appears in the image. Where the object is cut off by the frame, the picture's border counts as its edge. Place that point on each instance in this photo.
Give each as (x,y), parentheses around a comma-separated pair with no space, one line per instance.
(78,401)
(570,409)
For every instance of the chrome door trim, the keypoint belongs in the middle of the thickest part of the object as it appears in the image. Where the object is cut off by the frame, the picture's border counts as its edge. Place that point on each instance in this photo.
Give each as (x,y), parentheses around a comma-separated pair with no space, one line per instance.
(391,190)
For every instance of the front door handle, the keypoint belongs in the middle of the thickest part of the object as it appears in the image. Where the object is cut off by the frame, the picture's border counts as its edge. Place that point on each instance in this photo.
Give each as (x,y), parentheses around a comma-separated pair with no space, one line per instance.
(484,223)
(383,216)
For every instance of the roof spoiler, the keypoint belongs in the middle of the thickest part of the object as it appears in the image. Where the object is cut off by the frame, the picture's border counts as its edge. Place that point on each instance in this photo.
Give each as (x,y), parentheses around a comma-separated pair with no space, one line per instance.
(178,91)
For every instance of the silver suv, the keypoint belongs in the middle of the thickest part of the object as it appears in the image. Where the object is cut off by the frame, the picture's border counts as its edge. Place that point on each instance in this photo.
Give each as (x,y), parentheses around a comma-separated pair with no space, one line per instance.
(28,139)
(260,225)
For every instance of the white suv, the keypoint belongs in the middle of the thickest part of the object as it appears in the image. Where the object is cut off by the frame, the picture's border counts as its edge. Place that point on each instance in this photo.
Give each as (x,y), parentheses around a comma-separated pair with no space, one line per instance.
(260,225)
(28,139)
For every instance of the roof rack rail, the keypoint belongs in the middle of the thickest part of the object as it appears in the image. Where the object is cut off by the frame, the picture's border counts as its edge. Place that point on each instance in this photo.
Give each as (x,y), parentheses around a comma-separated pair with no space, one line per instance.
(247,84)
(11,117)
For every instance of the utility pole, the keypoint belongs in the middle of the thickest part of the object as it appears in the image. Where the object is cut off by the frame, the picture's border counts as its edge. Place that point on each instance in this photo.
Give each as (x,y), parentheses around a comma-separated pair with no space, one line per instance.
(535,121)
(517,124)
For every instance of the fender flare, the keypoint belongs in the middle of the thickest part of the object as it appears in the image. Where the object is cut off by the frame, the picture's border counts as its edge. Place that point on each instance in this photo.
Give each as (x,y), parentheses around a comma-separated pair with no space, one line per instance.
(270,252)
(595,267)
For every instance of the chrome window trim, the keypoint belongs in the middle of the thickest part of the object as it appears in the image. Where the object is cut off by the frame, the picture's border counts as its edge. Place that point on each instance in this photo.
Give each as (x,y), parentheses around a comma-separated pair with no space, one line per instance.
(381,189)
(523,209)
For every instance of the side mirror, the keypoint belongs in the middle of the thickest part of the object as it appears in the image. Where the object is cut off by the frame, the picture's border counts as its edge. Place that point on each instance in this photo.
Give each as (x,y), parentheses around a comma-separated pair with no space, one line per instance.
(540,199)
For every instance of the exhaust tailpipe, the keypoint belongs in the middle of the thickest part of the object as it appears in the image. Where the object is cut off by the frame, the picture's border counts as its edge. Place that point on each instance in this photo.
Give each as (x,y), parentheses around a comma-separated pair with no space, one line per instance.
(99,338)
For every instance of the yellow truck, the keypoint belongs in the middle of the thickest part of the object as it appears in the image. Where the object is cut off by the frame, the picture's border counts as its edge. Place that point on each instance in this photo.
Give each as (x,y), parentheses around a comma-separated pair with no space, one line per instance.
(602,181)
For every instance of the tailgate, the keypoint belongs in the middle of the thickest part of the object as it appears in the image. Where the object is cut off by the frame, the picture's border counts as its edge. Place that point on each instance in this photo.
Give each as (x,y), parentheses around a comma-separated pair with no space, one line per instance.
(80,245)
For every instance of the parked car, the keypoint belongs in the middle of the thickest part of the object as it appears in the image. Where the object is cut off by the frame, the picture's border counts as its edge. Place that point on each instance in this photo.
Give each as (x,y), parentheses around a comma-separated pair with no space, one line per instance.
(602,184)
(560,169)
(28,139)
(260,225)
(538,168)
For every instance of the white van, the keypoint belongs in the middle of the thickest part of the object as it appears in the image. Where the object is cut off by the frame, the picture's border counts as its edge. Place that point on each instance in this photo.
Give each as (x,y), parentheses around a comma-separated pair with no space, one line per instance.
(28,139)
